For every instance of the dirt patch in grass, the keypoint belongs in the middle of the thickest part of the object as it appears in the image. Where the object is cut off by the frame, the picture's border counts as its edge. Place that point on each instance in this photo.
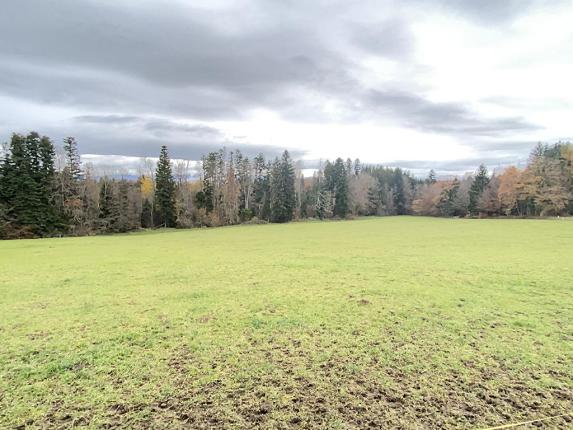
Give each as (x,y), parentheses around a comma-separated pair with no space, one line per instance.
(284,384)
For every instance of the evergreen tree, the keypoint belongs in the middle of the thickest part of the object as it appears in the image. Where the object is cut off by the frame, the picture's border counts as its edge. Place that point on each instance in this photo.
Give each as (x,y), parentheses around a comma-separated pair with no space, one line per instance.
(448,197)
(47,179)
(90,201)
(32,210)
(336,183)
(374,200)
(108,207)
(71,182)
(213,182)
(431,179)
(147,214)
(205,198)
(122,223)
(324,204)
(283,196)
(27,186)
(72,173)
(73,162)
(165,191)
(340,189)
(357,167)
(348,167)
(399,193)
(478,186)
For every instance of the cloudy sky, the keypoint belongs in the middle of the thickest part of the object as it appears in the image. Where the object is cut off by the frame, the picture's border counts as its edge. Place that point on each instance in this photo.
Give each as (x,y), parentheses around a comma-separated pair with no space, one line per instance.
(419,83)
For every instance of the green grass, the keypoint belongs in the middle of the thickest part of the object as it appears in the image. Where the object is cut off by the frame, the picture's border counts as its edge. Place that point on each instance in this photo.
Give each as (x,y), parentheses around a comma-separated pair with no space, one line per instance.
(374,323)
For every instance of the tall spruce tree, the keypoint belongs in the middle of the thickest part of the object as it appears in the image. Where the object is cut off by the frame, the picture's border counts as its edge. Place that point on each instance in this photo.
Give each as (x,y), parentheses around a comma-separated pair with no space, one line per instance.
(165,191)
(336,183)
(72,173)
(73,161)
(477,188)
(324,204)
(71,183)
(27,186)
(283,195)
(399,193)
(146,214)
(357,167)
(47,179)
(431,179)
(448,196)
(108,206)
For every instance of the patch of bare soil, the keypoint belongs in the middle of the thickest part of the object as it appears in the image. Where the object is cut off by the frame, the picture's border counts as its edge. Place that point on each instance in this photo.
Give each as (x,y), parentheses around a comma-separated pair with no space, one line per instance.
(295,390)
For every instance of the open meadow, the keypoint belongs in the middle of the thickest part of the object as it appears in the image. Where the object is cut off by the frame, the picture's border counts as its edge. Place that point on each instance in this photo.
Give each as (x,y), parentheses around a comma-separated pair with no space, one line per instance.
(397,322)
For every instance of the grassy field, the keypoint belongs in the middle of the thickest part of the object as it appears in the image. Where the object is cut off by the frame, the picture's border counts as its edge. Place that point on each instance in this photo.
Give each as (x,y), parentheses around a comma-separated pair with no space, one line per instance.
(374,323)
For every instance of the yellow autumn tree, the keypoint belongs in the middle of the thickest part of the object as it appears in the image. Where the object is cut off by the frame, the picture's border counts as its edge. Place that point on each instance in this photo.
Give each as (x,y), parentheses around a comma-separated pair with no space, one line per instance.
(147,187)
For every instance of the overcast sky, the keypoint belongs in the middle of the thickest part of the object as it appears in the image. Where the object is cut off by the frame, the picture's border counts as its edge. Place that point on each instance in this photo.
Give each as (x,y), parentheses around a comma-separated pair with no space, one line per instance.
(421,83)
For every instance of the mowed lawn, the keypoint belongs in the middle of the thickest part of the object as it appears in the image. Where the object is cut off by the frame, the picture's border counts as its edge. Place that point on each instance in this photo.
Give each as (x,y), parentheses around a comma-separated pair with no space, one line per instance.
(395,322)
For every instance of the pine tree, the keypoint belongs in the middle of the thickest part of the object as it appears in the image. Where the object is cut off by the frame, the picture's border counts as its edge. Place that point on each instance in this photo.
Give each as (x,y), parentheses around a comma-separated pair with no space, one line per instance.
(431,179)
(32,199)
(348,167)
(448,197)
(122,223)
(71,182)
(108,208)
(90,201)
(18,187)
(147,214)
(27,186)
(324,204)
(283,196)
(357,167)
(478,186)
(336,182)
(341,188)
(165,191)
(375,205)
(47,179)
(399,193)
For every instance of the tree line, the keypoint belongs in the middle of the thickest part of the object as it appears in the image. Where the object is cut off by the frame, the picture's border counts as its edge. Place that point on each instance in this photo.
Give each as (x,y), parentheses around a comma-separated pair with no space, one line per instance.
(40,199)
(543,188)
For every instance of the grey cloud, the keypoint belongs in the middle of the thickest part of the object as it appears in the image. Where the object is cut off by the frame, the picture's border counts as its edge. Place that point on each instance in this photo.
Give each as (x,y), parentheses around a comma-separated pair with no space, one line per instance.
(456,167)
(152,124)
(139,136)
(197,131)
(106,119)
(496,154)
(100,54)
(148,61)
(421,113)
(167,46)
(390,38)
(187,150)
(85,89)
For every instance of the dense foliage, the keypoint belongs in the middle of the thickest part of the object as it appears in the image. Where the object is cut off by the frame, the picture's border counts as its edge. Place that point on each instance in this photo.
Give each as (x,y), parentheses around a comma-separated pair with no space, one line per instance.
(543,188)
(37,199)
